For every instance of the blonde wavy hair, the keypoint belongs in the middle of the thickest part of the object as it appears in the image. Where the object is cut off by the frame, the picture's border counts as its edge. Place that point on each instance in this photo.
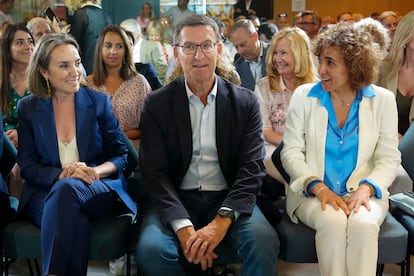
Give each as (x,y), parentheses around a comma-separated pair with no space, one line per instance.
(301,48)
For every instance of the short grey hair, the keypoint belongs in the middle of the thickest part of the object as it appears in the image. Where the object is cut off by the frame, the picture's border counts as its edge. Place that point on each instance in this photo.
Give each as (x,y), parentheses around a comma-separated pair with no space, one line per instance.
(34,21)
(193,21)
(131,25)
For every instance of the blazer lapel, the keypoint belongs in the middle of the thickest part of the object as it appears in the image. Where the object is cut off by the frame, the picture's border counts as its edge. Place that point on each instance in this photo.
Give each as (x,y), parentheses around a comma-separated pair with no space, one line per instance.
(47,129)
(223,116)
(182,117)
(365,115)
(85,117)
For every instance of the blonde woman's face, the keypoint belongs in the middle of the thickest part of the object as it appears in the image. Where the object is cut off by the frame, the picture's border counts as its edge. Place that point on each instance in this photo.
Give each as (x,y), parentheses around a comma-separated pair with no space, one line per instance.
(153,35)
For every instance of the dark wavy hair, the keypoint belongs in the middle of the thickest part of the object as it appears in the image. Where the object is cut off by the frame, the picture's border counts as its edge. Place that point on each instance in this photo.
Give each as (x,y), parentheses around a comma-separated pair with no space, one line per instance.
(361,54)
(6,63)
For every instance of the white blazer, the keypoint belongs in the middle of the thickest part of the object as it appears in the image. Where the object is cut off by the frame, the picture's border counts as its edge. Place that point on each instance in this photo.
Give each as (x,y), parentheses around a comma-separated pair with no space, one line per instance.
(304,139)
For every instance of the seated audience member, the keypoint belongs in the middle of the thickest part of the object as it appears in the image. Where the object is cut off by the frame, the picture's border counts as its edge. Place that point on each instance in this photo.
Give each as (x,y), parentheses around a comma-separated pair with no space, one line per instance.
(255,20)
(282,21)
(203,167)
(6,6)
(229,51)
(146,51)
(345,17)
(251,62)
(39,26)
(86,23)
(246,8)
(396,73)
(289,64)
(145,69)
(310,23)
(340,151)
(179,12)
(114,74)
(357,17)
(327,20)
(146,15)
(378,32)
(71,154)
(406,147)
(296,20)
(17,46)
(389,19)
(155,31)
(266,31)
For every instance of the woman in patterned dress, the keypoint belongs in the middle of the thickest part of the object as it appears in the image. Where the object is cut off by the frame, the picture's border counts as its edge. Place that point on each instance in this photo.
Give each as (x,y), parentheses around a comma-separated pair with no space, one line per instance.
(114,74)
(289,64)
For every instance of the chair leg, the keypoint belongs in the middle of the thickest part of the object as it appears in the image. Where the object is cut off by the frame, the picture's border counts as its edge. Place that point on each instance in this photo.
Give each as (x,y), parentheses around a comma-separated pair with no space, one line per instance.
(29,264)
(37,267)
(128,263)
(407,265)
(6,266)
(380,269)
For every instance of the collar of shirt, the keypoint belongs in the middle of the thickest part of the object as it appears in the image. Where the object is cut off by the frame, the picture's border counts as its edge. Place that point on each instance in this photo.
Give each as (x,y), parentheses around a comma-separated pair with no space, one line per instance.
(211,95)
(90,3)
(317,92)
(137,51)
(283,86)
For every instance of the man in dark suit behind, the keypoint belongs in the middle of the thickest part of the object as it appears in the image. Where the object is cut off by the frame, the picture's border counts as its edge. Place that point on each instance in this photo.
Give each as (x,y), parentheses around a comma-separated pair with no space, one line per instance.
(250,62)
(201,158)
(246,8)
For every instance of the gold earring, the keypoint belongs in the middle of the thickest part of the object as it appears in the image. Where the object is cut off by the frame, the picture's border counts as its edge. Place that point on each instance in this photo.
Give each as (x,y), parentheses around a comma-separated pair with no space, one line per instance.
(49,92)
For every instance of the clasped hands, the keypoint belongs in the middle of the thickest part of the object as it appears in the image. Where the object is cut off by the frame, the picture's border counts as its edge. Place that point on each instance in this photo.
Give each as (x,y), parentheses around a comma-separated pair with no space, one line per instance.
(198,246)
(12,135)
(79,170)
(359,198)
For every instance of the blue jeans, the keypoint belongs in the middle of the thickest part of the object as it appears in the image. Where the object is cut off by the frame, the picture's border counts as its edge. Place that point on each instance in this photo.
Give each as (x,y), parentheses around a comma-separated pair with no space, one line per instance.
(406,147)
(250,240)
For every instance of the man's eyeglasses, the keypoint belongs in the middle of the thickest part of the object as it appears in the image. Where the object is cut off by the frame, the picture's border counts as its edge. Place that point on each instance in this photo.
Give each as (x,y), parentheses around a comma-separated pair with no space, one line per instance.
(306,23)
(282,15)
(190,48)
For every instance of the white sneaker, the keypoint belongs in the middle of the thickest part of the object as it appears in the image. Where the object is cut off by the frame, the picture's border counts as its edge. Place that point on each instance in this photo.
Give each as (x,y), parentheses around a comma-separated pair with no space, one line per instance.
(118,266)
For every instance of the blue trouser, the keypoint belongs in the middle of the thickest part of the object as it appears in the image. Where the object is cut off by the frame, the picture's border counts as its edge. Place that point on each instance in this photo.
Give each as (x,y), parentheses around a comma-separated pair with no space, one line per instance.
(250,239)
(63,215)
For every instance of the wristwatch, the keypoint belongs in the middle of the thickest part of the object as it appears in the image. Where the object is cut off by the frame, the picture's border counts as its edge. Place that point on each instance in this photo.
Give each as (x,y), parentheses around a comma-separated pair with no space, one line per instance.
(227,214)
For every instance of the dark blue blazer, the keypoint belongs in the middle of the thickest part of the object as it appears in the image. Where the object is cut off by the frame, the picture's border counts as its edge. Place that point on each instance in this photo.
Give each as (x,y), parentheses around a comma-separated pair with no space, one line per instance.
(148,71)
(242,67)
(3,186)
(166,146)
(240,8)
(98,137)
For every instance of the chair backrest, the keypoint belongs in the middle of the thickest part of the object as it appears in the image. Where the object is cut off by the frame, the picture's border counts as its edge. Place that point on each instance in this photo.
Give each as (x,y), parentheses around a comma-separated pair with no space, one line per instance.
(132,157)
(278,162)
(8,158)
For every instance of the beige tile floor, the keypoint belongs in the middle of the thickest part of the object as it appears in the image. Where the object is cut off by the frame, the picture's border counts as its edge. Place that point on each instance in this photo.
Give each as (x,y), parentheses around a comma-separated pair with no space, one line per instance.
(285,269)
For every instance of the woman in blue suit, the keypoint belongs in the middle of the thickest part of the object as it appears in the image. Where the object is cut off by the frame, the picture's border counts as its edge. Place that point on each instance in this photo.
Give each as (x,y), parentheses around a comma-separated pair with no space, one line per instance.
(71,154)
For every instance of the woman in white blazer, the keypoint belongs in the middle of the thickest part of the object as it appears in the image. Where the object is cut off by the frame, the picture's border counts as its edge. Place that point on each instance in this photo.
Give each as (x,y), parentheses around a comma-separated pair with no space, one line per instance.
(340,150)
